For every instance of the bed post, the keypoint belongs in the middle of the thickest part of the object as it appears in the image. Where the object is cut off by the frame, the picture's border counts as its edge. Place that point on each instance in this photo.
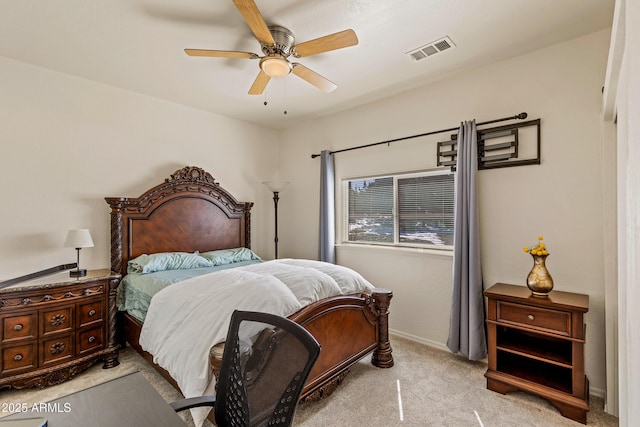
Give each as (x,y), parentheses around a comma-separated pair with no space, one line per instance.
(116,205)
(382,357)
(247,224)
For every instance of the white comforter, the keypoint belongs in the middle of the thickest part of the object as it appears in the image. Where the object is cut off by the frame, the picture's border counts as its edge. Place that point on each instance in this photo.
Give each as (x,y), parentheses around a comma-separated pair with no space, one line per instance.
(187,318)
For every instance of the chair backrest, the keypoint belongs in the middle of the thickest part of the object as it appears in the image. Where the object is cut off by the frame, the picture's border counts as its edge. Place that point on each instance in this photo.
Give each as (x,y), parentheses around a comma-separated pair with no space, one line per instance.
(265,364)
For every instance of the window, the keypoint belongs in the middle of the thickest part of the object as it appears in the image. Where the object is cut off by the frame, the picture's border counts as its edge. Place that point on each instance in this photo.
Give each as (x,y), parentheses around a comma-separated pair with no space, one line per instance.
(405,210)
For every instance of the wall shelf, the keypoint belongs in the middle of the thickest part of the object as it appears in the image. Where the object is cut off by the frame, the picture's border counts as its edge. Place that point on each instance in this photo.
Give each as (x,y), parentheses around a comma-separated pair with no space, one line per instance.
(498,147)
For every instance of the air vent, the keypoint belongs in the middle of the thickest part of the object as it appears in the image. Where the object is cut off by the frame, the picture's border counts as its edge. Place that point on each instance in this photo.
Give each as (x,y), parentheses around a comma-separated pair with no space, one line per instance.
(431,49)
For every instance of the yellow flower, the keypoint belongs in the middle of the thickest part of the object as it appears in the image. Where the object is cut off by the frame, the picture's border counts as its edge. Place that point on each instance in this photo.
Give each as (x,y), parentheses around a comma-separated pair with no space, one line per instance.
(540,249)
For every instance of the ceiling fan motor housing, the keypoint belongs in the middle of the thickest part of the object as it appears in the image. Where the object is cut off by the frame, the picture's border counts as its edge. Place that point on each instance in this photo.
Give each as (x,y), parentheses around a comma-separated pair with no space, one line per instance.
(284,42)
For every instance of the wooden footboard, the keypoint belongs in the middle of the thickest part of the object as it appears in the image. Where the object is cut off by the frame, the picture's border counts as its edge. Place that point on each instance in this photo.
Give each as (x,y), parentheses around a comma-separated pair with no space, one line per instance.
(347,328)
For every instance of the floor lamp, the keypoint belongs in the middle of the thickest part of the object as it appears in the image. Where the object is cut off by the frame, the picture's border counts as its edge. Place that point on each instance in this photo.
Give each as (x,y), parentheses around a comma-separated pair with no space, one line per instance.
(276,187)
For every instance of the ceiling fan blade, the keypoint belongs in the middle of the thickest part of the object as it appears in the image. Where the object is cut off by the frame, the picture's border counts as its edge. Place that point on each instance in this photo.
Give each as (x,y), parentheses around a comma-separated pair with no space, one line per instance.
(313,78)
(221,53)
(333,41)
(254,19)
(259,84)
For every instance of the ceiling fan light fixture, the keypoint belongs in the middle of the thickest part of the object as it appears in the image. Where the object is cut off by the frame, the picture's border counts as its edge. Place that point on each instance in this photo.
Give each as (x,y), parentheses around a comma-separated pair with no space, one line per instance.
(275,66)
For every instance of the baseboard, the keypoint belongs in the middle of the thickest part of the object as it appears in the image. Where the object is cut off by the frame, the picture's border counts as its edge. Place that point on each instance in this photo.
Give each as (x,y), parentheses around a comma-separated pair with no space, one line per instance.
(597,392)
(421,340)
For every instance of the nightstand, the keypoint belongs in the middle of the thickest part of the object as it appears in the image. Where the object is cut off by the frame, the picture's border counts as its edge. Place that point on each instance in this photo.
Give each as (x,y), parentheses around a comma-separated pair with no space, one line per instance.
(56,326)
(536,345)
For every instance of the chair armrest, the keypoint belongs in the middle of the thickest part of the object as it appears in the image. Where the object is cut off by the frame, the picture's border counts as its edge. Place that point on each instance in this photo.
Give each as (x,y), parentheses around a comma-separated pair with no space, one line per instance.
(193,402)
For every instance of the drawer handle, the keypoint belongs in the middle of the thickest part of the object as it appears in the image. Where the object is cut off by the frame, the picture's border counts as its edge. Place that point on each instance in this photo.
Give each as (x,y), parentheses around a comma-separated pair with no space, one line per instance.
(57,320)
(92,313)
(17,357)
(17,327)
(531,317)
(57,348)
(92,339)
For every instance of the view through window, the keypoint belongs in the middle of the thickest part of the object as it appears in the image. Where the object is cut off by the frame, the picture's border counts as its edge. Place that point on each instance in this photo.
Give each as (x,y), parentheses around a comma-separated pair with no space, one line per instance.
(405,210)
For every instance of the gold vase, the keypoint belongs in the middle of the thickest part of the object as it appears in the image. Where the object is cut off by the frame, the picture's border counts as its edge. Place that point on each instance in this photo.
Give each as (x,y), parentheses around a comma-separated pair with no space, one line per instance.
(539,280)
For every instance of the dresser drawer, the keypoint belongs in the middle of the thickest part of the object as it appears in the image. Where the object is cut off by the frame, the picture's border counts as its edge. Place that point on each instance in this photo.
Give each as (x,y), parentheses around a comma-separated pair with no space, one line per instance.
(23,326)
(90,340)
(56,350)
(19,357)
(90,312)
(556,321)
(56,320)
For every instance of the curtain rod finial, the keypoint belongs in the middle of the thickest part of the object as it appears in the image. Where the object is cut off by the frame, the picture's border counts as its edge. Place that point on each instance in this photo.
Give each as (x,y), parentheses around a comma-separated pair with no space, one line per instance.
(522,116)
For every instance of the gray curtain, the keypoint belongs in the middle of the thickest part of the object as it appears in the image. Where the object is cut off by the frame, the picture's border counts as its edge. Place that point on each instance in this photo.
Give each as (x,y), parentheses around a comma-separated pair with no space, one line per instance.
(327,250)
(467,324)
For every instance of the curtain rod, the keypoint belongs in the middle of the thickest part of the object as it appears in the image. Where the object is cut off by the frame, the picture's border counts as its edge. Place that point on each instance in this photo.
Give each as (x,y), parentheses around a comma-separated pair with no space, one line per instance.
(520,116)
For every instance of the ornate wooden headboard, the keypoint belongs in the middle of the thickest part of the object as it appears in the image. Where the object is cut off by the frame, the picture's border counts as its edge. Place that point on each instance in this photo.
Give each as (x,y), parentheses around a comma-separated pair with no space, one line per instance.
(188,212)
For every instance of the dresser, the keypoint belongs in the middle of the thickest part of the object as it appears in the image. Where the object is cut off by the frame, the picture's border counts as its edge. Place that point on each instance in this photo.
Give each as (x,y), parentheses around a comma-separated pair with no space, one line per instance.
(56,326)
(536,345)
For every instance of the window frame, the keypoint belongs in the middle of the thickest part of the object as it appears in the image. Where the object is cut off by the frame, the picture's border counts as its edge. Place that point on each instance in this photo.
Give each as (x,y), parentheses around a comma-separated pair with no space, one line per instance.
(395,211)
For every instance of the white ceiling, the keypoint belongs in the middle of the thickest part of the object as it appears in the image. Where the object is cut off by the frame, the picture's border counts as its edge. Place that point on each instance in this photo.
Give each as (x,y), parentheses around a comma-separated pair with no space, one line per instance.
(138,45)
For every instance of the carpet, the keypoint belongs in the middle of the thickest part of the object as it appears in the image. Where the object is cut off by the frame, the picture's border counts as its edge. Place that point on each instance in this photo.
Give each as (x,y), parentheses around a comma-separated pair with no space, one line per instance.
(435,388)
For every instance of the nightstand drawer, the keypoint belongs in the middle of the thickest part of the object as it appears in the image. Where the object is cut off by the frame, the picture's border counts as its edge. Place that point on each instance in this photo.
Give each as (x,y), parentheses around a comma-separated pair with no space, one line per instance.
(90,340)
(90,312)
(556,321)
(56,350)
(18,358)
(19,327)
(56,320)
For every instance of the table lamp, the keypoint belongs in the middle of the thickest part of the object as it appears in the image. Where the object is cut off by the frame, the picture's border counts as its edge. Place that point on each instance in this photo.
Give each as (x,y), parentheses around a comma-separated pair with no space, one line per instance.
(78,238)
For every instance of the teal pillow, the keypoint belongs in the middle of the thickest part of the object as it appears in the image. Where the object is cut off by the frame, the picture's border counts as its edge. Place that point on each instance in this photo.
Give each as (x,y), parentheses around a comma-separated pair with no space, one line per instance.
(166,261)
(229,256)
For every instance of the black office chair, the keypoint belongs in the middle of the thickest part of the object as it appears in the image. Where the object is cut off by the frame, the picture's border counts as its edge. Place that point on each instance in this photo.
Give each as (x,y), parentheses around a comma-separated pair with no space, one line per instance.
(265,364)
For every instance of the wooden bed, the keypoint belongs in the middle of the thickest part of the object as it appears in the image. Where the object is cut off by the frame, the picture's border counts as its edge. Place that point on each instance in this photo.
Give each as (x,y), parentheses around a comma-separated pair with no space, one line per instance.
(190,212)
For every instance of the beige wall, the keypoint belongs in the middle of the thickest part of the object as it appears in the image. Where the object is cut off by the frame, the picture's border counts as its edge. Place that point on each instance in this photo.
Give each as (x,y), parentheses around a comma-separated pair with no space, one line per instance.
(561,198)
(68,142)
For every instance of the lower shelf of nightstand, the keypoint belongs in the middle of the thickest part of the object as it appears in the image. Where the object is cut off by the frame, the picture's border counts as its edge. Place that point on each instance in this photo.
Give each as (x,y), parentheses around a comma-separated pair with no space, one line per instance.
(570,406)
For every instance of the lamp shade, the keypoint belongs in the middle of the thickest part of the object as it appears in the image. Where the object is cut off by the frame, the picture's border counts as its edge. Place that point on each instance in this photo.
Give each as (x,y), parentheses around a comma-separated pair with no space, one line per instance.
(276,186)
(79,238)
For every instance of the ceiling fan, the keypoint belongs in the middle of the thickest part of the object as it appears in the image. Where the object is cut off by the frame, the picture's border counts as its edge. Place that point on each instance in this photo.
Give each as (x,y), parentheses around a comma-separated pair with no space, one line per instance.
(278,44)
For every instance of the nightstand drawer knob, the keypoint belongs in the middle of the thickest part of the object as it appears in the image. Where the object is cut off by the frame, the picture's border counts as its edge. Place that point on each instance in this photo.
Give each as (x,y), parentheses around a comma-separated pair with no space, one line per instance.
(531,317)
(57,320)
(17,357)
(92,339)
(92,313)
(17,327)
(57,348)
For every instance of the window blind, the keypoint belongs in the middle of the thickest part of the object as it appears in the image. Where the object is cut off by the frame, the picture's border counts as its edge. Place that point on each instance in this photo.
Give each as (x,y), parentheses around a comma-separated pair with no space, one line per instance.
(371,210)
(409,209)
(426,209)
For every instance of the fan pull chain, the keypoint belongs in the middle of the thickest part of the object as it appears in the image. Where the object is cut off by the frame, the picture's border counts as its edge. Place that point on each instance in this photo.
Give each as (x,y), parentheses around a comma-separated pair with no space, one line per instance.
(285,97)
